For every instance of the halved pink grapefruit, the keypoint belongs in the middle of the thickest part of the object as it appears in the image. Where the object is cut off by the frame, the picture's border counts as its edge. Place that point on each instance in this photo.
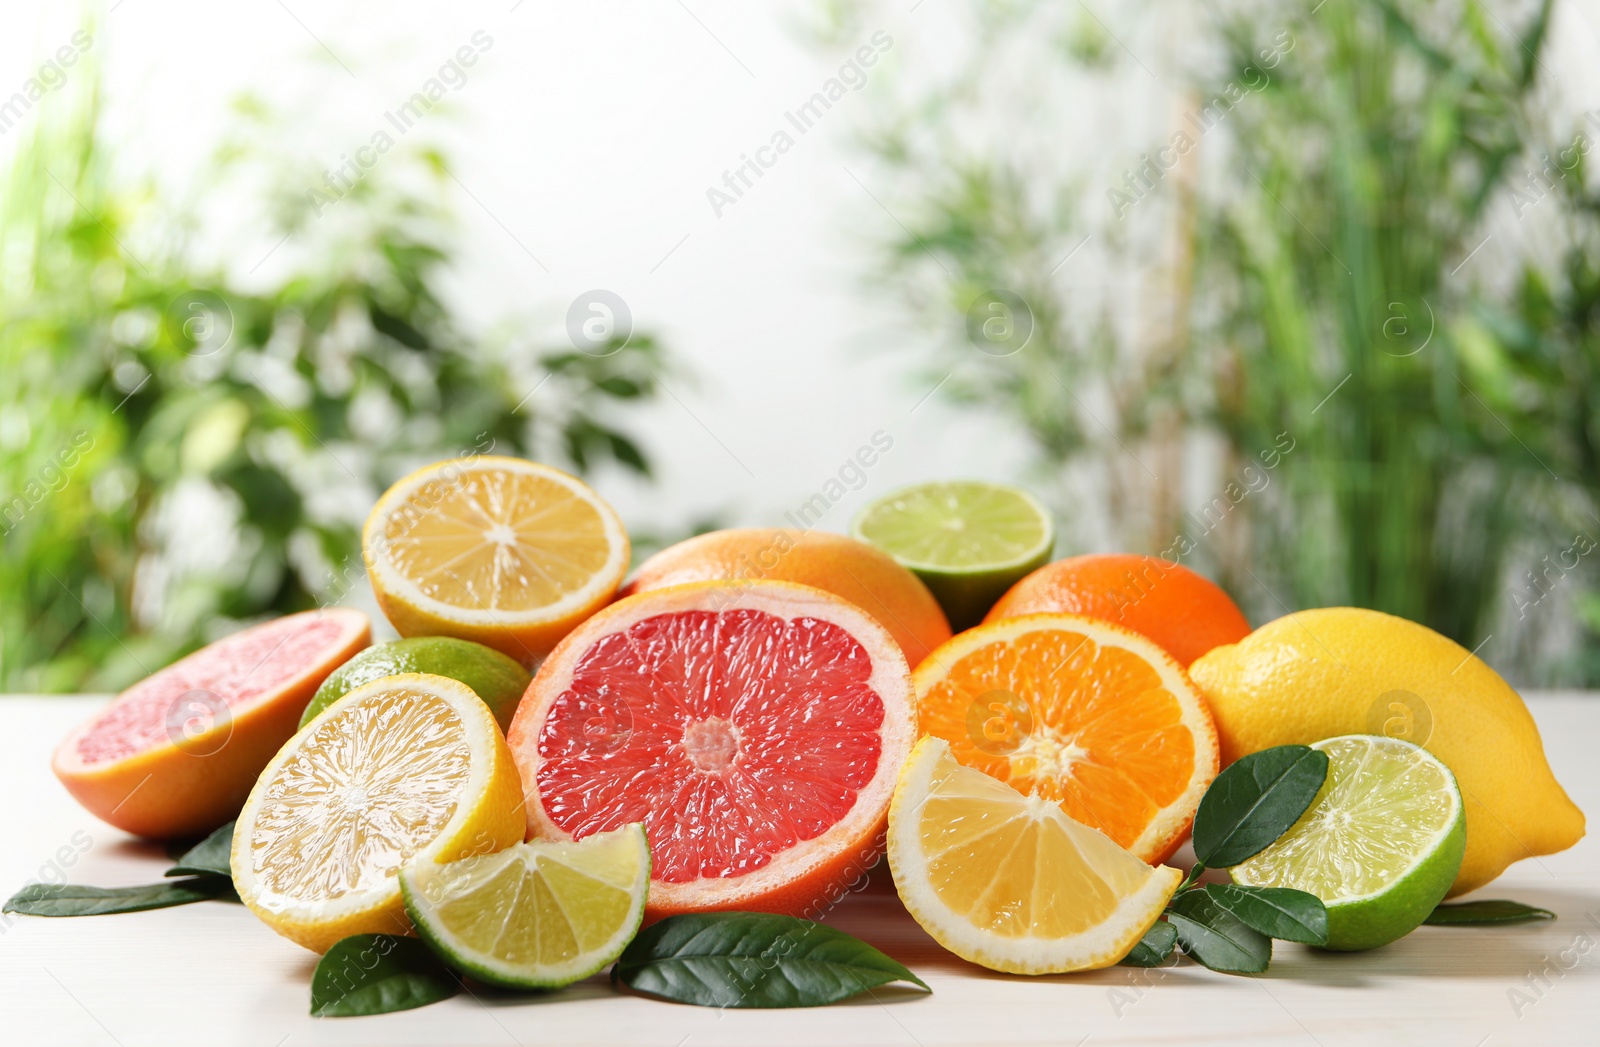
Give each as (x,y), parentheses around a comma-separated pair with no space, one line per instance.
(175,755)
(755,728)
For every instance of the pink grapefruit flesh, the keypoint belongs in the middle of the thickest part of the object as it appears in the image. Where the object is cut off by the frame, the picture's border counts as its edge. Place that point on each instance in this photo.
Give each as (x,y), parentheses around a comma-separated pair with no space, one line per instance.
(176,754)
(755,728)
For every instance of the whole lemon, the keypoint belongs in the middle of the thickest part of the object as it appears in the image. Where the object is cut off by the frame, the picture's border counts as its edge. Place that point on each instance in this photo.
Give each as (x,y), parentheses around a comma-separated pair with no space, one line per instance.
(1345,670)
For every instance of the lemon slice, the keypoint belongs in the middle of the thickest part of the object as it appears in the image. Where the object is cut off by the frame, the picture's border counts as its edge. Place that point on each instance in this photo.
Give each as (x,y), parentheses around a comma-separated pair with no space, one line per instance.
(536,916)
(508,553)
(1009,881)
(404,769)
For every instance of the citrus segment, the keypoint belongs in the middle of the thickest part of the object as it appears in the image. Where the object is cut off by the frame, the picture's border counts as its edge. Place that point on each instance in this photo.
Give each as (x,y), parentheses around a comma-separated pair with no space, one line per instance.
(506,552)
(176,754)
(968,540)
(754,728)
(1182,611)
(406,768)
(1009,881)
(1379,845)
(1092,717)
(536,915)
(863,574)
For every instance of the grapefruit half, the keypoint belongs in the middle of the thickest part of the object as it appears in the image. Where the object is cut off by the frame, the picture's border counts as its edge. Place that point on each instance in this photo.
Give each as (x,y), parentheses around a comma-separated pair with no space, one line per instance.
(176,754)
(756,729)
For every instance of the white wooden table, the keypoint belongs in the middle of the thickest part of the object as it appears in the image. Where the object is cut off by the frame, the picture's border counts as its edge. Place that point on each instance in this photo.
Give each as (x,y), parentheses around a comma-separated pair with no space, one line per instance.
(209,974)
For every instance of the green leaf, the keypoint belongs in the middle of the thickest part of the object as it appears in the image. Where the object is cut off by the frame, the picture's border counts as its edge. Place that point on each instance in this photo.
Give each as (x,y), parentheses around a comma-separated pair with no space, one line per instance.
(628,453)
(1154,948)
(1490,910)
(376,974)
(1255,801)
(69,899)
(1215,937)
(209,857)
(1191,879)
(621,387)
(739,959)
(1277,912)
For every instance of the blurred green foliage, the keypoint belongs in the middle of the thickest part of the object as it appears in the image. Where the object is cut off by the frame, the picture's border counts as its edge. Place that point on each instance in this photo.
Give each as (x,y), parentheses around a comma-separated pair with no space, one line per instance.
(182,450)
(1370,253)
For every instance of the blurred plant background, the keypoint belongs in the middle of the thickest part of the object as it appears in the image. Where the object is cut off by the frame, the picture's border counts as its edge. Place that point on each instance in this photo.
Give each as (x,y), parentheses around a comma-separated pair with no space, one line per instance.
(182,451)
(1375,243)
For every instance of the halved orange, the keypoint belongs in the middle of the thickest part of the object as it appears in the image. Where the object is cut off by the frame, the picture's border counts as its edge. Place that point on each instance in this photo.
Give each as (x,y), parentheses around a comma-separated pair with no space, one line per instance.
(509,553)
(1090,715)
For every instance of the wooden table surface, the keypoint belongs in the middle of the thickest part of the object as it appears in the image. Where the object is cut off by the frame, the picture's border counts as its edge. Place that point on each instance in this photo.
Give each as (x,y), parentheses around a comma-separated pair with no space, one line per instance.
(210,974)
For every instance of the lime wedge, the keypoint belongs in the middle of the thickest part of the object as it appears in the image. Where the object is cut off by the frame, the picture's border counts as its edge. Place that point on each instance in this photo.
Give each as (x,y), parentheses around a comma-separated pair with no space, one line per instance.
(496,678)
(969,541)
(1380,845)
(537,915)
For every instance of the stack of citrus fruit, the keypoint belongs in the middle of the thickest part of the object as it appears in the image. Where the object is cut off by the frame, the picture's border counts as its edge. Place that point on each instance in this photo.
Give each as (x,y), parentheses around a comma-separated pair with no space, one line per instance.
(544,762)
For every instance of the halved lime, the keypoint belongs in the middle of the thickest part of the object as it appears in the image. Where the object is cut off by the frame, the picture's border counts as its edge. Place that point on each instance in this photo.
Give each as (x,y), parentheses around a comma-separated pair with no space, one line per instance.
(968,540)
(538,915)
(1380,845)
(496,678)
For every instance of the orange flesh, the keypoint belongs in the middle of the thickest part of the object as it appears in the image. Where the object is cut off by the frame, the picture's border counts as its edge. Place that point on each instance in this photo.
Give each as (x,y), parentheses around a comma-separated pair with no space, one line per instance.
(1057,715)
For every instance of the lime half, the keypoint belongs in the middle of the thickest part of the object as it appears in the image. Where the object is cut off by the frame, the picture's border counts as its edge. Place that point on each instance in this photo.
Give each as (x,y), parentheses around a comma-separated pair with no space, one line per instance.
(497,679)
(537,915)
(969,541)
(1380,845)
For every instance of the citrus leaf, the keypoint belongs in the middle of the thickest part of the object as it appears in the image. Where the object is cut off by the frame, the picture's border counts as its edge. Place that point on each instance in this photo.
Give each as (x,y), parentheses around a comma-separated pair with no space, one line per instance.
(209,857)
(1255,801)
(1154,948)
(1215,937)
(740,959)
(376,974)
(1277,912)
(70,899)
(1490,910)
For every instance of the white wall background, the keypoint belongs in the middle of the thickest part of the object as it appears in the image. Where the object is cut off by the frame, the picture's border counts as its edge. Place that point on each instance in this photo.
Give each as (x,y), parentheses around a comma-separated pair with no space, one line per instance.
(589,134)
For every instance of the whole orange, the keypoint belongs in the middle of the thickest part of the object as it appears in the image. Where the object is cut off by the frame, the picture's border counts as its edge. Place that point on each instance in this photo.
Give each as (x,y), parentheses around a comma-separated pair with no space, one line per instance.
(845,567)
(1172,605)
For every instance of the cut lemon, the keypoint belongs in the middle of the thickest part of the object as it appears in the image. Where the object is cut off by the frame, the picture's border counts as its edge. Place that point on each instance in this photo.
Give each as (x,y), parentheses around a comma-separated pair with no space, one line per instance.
(1009,881)
(406,768)
(1082,712)
(968,540)
(1380,845)
(534,916)
(508,553)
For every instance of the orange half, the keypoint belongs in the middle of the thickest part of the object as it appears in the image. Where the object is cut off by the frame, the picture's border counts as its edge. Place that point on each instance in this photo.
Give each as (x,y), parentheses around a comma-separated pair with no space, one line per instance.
(1090,715)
